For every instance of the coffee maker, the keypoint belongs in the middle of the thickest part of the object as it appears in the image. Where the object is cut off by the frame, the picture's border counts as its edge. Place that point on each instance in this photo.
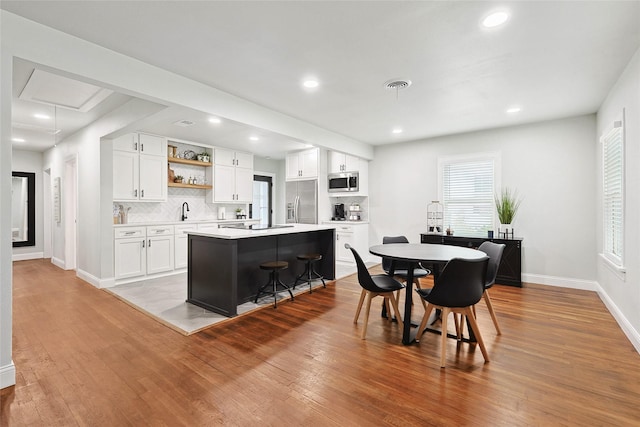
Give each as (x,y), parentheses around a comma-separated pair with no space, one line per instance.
(338,212)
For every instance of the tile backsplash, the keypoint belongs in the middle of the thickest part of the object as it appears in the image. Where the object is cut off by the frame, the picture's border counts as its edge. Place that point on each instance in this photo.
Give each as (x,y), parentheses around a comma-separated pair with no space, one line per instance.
(171,210)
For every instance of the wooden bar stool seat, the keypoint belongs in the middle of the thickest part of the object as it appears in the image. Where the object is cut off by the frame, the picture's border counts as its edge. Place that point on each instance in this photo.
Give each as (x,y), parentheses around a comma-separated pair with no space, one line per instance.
(310,272)
(273,267)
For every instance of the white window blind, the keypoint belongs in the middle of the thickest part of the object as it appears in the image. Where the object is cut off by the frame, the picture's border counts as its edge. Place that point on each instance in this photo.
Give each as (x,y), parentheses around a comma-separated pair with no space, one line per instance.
(467,195)
(613,193)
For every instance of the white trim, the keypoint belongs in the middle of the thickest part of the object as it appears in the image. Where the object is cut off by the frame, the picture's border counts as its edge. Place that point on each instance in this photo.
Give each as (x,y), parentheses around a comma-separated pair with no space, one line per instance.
(7,375)
(57,262)
(24,257)
(563,282)
(626,326)
(89,278)
(618,270)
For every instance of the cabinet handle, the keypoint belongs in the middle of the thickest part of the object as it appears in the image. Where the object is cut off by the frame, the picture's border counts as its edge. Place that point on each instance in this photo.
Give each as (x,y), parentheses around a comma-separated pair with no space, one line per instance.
(143,241)
(128,233)
(149,242)
(135,146)
(141,193)
(337,237)
(141,147)
(135,193)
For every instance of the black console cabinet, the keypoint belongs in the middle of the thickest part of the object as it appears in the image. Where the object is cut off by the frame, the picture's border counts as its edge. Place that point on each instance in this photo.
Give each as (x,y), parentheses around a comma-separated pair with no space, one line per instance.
(510,269)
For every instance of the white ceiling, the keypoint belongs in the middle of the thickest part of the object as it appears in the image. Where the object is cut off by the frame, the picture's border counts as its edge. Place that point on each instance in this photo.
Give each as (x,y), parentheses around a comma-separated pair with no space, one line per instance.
(553,58)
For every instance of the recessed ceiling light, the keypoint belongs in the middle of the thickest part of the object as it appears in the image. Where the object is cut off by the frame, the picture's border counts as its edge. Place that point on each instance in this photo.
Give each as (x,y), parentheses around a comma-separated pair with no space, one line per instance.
(513,110)
(17,139)
(41,116)
(495,19)
(254,138)
(396,130)
(215,120)
(311,83)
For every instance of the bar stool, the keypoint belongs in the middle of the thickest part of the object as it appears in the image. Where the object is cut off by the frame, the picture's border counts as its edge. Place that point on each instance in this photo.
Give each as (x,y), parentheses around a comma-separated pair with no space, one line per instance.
(273,267)
(309,272)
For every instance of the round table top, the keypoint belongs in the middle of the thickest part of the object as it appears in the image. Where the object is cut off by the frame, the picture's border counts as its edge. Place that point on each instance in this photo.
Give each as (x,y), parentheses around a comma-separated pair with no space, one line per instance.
(417,252)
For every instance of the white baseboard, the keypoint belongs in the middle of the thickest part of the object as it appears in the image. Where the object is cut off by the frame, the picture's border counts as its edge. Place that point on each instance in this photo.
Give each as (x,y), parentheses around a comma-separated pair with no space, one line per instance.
(88,278)
(57,262)
(632,334)
(7,375)
(563,282)
(26,256)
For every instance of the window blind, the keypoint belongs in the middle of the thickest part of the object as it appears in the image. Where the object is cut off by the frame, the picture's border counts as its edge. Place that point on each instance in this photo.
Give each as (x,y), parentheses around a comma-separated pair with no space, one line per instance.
(613,194)
(468,188)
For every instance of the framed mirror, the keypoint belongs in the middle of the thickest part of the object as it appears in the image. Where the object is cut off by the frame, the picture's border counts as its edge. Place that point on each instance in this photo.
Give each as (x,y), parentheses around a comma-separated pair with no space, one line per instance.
(23,209)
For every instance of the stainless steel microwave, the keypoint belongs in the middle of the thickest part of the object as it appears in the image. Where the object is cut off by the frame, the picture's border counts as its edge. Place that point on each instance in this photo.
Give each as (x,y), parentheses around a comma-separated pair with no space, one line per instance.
(343,182)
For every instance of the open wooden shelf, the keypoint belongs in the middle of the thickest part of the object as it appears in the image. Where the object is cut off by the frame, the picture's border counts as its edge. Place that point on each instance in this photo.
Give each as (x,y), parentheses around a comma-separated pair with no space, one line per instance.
(183,185)
(187,162)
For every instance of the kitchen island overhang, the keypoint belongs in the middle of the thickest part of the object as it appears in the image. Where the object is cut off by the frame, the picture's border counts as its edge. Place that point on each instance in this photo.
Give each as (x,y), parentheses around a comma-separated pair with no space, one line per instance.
(223,265)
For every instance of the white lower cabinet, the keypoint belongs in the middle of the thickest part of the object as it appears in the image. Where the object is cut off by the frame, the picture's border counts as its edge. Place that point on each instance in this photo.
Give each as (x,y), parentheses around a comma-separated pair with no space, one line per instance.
(160,249)
(139,251)
(180,245)
(129,252)
(356,235)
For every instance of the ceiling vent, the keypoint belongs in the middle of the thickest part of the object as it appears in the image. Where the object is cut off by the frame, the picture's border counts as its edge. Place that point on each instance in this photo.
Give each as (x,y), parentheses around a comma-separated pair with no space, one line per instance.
(184,123)
(52,89)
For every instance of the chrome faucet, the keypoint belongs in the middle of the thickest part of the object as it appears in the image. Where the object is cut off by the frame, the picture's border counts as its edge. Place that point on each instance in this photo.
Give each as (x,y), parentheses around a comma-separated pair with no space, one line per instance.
(184,214)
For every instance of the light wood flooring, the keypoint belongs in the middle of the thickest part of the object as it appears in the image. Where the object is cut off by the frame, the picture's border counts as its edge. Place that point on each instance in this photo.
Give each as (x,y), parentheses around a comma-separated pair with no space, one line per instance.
(83,357)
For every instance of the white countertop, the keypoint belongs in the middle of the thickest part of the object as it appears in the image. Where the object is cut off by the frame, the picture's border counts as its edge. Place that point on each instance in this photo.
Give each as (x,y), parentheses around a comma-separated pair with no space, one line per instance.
(187,222)
(236,233)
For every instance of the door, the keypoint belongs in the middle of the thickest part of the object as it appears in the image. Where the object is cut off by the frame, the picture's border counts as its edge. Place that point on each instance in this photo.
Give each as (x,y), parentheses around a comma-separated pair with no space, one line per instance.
(160,254)
(153,178)
(130,257)
(244,185)
(261,207)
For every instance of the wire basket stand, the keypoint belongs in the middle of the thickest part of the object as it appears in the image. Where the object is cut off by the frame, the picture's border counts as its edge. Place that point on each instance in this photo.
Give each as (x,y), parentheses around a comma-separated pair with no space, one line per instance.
(435,218)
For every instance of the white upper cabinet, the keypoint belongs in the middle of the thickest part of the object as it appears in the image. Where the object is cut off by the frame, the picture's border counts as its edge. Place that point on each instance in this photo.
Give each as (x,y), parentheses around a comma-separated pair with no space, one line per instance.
(225,157)
(302,165)
(340,162)
(139,168)
(232,176)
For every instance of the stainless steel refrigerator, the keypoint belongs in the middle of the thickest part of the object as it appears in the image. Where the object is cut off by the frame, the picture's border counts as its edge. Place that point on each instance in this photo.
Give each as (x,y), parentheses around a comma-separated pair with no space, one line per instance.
(302,202)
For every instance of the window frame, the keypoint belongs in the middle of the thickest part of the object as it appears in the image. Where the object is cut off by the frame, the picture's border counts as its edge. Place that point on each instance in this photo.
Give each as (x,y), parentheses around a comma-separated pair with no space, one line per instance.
(615,260)
(494,156)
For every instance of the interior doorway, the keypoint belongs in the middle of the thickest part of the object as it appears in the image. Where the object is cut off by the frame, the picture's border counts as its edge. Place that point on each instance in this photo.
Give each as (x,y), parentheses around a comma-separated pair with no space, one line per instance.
(262,206)
(47,217)
(70,212)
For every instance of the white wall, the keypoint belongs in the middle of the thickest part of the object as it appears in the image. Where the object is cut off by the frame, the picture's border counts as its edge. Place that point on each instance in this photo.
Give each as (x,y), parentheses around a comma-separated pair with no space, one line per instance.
(550,164)
(31,161)
(622,294)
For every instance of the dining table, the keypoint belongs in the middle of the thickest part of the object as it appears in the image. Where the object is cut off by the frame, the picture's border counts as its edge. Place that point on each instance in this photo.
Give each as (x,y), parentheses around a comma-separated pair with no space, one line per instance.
(413,254)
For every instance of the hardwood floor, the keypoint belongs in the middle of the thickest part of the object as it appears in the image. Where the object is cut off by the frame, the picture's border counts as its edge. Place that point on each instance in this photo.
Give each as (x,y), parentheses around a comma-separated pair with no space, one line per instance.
(83,357)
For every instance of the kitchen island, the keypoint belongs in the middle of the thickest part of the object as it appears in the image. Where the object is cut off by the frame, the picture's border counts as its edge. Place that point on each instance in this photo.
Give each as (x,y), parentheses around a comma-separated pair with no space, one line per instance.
(223,265)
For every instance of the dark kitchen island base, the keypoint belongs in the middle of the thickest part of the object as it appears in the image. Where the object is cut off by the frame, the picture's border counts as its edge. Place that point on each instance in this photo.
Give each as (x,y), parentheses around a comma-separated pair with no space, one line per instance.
(224,272)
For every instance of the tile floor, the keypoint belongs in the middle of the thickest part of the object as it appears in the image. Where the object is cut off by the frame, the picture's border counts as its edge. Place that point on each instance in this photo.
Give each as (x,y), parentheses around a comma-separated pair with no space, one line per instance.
(164,300)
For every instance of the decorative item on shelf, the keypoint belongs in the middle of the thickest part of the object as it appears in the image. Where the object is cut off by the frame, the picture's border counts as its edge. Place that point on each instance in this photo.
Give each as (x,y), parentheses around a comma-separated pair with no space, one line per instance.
(190,155)
(449,231)
(178,179)
(203,157)
(240,214)
(435,217)
(507,204)
(171,150)
(171,175)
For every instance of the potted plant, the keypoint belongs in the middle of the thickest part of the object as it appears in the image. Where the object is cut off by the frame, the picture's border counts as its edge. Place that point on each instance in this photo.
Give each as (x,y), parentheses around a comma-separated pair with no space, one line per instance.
(203,157)
(178,179)
(507,204)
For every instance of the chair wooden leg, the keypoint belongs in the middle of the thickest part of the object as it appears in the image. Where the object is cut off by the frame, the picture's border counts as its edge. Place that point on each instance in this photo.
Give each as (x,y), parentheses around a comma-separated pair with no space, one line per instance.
(487,300)
(366,316)
(458,326)
(443,350)
(387,308)
(423,324)
(394,303)
(362,295)
(476,331)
